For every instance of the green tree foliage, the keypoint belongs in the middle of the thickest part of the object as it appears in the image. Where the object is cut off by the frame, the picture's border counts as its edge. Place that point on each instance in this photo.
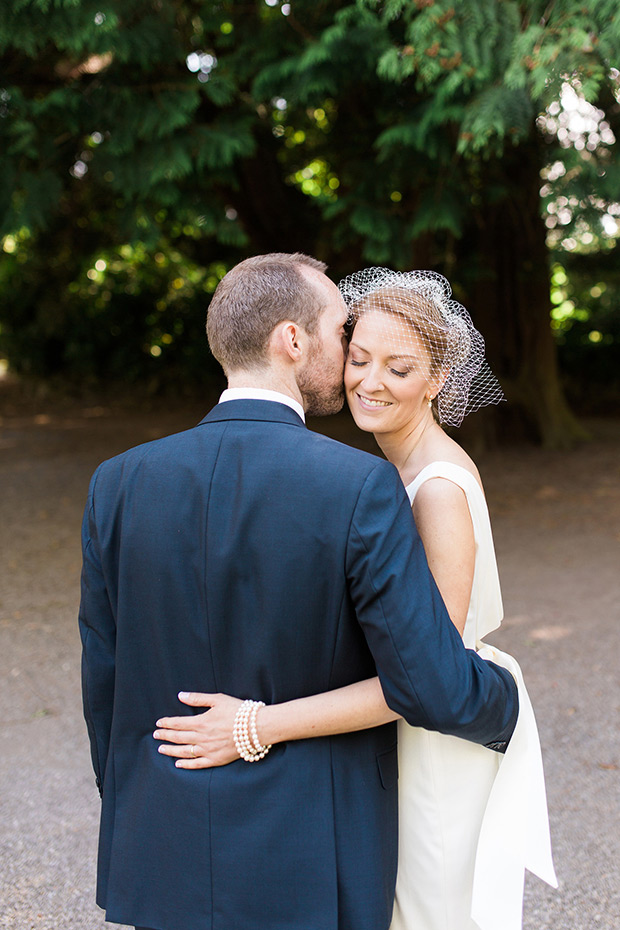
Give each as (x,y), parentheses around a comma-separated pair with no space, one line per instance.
(148,145)
(586,322)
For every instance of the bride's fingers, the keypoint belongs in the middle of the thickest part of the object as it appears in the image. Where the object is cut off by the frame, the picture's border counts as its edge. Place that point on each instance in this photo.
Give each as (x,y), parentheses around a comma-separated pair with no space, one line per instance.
(173,723)
(176,736)
(191,764)
(219,705)
(194,757)
(179,723)
(197,698)
(185,751)
(207,761)
(198,763)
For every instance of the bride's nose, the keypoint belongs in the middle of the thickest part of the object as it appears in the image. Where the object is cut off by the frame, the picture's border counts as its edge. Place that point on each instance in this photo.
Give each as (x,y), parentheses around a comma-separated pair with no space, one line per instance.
(372,379)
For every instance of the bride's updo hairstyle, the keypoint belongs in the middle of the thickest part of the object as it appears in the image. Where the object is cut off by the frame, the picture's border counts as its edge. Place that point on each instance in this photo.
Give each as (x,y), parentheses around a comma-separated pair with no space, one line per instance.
(418,312)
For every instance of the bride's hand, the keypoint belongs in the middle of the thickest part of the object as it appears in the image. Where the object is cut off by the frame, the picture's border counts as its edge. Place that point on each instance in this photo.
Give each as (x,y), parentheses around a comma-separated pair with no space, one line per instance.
(203,740)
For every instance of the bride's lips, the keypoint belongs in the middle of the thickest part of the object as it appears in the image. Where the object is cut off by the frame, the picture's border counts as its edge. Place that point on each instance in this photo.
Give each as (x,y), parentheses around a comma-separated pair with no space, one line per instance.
(367,403)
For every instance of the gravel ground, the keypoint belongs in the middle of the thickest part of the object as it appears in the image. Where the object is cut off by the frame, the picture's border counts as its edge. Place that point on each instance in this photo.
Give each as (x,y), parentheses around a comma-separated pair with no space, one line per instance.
(556,521)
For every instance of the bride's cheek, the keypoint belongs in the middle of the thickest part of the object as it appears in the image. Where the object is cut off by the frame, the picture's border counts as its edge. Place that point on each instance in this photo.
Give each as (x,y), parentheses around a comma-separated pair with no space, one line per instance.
(350,375)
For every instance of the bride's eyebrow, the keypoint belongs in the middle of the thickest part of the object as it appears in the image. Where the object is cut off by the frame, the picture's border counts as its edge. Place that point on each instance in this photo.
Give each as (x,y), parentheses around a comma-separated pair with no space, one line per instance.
(403,358)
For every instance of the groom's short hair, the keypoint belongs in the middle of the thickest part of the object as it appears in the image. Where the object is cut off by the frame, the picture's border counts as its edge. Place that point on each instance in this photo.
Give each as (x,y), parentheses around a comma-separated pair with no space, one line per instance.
(250,301)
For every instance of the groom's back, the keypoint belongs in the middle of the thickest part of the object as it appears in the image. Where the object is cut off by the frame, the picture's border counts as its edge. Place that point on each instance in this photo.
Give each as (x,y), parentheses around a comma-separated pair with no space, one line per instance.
(233,537)
(229,546)
(276,536)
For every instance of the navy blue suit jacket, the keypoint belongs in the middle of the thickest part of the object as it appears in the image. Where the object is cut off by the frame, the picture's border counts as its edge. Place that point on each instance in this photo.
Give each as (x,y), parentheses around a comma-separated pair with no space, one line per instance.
(251,556)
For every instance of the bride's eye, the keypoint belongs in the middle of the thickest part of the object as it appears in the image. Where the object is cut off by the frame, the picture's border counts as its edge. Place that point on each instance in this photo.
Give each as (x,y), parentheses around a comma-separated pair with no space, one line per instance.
(400,374)
(355,362)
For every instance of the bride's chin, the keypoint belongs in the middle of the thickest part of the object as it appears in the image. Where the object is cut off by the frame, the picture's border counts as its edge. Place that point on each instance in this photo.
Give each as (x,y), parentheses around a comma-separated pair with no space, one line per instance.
(359,419)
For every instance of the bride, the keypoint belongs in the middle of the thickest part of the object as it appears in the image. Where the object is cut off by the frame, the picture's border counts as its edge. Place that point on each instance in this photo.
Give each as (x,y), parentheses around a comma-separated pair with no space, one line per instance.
(471,819)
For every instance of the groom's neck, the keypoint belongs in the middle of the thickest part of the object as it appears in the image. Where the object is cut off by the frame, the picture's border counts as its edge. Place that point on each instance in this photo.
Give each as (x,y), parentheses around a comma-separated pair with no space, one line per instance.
(267,380)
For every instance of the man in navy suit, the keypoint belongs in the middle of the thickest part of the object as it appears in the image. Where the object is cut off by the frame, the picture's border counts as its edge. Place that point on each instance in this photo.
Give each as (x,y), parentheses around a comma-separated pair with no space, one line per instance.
(251,556)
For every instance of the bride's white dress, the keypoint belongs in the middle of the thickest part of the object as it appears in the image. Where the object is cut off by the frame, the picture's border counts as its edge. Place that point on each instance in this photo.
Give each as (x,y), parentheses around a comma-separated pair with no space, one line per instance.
(471,819)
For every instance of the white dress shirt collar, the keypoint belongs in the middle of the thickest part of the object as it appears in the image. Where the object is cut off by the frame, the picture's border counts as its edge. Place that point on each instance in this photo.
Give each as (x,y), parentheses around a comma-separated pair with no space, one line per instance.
(262,394)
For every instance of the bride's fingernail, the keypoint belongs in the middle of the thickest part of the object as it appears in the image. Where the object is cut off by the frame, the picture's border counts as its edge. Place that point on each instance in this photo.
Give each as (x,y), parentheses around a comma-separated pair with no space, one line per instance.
(183,694)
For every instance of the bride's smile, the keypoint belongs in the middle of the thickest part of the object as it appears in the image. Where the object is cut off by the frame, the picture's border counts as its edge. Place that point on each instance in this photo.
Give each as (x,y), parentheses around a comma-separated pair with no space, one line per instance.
(367,402)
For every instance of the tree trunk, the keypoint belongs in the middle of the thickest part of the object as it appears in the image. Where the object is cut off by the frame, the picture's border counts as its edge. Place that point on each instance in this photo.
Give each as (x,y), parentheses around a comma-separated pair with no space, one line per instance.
(504,260)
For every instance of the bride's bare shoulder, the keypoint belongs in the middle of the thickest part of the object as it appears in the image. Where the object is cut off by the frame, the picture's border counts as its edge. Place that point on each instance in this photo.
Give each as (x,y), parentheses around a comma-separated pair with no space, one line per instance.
(445,449)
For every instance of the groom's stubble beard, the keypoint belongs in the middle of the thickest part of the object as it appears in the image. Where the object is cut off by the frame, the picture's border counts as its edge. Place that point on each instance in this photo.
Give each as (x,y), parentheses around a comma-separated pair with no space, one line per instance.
(321,382)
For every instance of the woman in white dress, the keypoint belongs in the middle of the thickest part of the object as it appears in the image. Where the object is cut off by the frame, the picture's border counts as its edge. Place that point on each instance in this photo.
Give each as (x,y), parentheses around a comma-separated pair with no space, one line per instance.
(471,820)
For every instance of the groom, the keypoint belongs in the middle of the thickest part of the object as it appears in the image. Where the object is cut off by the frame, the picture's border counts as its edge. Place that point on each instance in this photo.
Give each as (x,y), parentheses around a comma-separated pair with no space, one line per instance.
(251,556)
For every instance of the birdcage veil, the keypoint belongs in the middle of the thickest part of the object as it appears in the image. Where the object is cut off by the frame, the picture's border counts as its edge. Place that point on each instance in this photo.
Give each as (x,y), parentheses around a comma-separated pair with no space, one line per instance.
(425,328)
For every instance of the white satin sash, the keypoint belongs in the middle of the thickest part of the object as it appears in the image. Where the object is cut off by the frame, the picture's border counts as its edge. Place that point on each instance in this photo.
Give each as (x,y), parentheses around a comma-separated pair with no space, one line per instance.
(515,829)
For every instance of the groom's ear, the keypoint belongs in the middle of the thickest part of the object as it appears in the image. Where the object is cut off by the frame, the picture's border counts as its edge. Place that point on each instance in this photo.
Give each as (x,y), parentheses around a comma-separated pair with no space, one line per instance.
(288,339)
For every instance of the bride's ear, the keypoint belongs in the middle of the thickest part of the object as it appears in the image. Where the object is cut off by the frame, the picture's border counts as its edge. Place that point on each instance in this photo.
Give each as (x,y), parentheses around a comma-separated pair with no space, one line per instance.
(438,380)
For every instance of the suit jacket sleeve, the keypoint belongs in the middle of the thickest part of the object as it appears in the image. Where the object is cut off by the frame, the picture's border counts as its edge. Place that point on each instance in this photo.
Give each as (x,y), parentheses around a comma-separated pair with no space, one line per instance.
(98,634)
(426,673)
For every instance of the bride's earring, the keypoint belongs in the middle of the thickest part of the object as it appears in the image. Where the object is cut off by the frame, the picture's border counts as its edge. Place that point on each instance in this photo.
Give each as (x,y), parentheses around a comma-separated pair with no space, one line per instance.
(429,401)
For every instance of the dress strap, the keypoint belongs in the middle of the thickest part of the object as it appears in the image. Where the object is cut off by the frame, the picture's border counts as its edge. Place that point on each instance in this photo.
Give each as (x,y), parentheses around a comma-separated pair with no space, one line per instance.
(455,473)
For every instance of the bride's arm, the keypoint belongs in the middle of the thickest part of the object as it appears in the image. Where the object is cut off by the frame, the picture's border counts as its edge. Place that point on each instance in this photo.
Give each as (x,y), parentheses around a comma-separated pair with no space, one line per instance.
(444,523)
(205,740)
(355,707)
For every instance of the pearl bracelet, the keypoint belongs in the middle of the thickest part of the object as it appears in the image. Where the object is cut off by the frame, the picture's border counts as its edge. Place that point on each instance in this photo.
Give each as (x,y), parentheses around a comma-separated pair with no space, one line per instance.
(245,733)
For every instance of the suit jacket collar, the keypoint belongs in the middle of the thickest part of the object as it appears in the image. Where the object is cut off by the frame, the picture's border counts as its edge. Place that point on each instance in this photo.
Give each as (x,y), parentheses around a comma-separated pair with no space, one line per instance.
(268,411)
